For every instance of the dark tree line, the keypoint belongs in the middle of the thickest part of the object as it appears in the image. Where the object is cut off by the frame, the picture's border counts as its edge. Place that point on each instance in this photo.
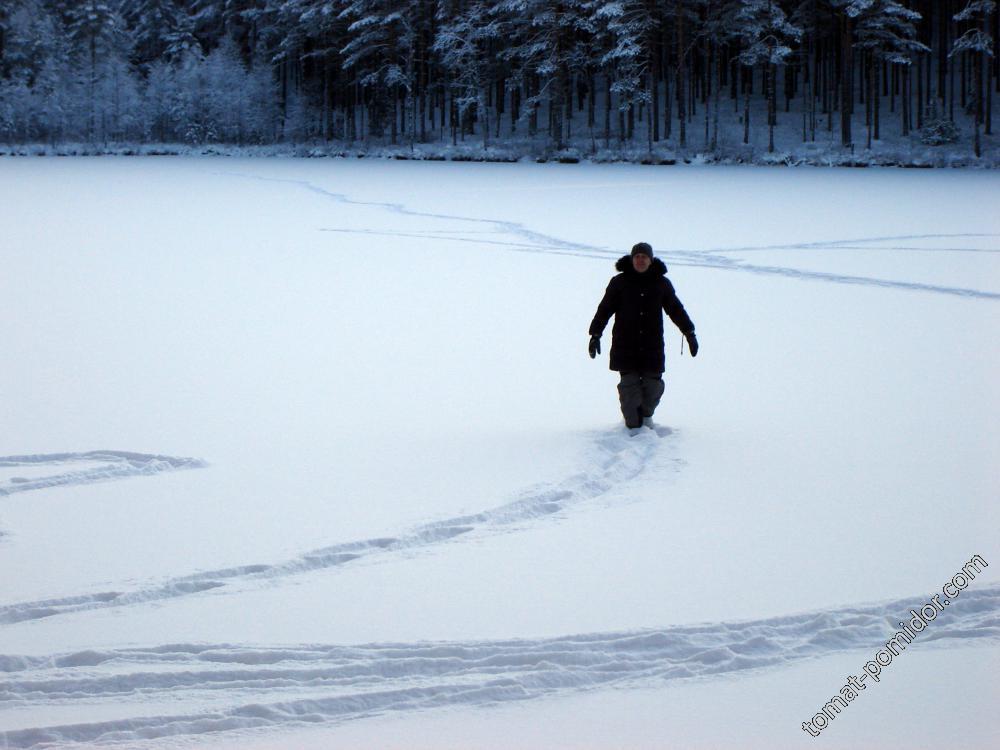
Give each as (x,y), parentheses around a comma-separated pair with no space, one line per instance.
(597,72)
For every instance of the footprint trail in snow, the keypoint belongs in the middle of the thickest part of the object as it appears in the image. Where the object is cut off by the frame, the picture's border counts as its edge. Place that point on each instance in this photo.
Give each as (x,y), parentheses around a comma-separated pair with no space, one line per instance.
(177,690)
(617,458)
(110,465)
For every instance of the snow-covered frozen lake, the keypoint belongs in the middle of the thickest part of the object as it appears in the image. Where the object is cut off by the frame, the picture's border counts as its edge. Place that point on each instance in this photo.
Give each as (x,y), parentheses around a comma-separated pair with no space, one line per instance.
(310,453)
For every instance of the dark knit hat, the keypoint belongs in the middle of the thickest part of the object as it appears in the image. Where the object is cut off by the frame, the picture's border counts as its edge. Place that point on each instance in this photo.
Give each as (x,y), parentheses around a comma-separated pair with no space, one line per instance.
(644,248)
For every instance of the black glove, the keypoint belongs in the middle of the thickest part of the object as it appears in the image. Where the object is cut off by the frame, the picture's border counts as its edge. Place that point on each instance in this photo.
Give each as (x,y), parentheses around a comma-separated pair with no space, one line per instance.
(595,346)
(692,343)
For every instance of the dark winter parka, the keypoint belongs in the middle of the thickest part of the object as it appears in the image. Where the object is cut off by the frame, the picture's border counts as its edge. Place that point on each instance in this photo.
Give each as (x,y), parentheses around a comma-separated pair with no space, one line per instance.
(637,300)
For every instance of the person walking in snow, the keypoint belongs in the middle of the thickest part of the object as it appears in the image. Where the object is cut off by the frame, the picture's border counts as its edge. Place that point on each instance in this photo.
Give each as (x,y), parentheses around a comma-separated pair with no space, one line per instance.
(637,297)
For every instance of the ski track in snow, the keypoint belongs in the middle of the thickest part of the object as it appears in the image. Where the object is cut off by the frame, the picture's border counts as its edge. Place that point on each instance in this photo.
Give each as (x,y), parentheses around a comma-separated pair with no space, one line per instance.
(618,457)
(244,687)
(718,259)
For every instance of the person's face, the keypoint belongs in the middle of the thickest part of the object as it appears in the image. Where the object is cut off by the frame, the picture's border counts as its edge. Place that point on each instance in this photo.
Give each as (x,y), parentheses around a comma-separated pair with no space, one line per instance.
(641,262)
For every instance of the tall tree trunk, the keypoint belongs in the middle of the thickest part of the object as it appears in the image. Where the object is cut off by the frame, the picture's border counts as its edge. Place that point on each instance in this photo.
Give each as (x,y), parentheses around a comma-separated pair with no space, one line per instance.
(708,78)
(875,102)
(989,107)
(846,78)
(667,107)
(746,115)
(951,92)
(365,118)
(772,115)
(485,108)
(533,116)
(893,86)
(963,92)
(904,99)
(499,93)
(734,92)
(607,111)
(650,124)
(791,74)
(928,95)
(812,90)
(515,108)
(920,90)
(411,98)
(92,99)
(500,108)
(567,110)
(395,116)
(832,79)
(654,109)
(807,86)
(980,114)
(325,121)
(681,73)
(943,62)
(348,114)
(591,103)
(869,114)
(422,101)
(715,113)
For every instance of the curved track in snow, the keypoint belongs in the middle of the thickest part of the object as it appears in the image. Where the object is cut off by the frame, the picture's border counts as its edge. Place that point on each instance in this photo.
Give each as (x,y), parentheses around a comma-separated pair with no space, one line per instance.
(617,458)
(112,465)
(44,470)
(226,687)
(187,689)
(528,240)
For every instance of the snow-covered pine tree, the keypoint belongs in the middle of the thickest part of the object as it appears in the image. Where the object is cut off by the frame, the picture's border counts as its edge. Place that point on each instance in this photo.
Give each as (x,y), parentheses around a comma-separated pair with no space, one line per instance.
(719,30)
(766,34)
(5,12)
(546,45)
(181,40)
(598,43)
(381,49)
(312,33)
(102,44)
(153,22)
(25,41)
(226,93)
(206,21)
(33,41)
(813,16)
(686,18)
(464,43)
(244,21)
(633,26)
(978,43)
(886,33)
(160,97)
(294,24)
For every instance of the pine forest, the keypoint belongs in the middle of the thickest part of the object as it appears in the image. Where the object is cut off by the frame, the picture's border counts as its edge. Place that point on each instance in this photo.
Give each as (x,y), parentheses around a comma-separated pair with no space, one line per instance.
(644,75)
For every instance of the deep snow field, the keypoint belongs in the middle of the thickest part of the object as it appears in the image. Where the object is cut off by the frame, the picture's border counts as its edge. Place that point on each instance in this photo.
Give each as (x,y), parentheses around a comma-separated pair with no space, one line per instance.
(310,454)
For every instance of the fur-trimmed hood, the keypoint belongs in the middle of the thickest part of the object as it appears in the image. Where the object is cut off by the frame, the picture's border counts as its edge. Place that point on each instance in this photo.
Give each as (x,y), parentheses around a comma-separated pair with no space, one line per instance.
(624,265)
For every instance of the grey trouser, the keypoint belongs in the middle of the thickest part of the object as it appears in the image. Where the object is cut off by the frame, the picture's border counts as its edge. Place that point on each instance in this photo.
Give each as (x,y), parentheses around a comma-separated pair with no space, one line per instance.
(640,394)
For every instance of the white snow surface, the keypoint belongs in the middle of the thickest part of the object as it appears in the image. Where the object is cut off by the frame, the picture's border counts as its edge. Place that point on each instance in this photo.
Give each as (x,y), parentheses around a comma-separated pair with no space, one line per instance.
(309,453)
